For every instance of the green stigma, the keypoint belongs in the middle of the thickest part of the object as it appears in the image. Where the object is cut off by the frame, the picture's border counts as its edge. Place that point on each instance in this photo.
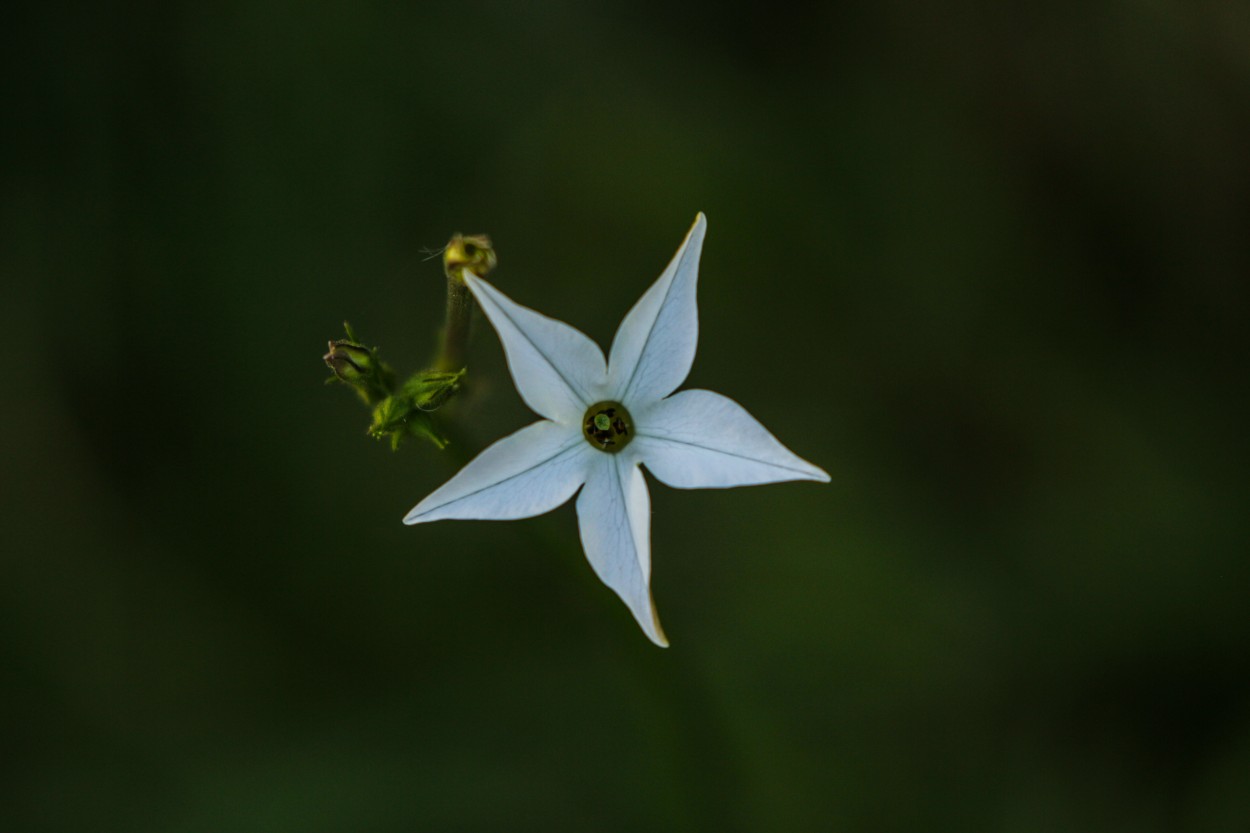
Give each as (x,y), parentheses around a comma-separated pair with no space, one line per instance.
(608,426)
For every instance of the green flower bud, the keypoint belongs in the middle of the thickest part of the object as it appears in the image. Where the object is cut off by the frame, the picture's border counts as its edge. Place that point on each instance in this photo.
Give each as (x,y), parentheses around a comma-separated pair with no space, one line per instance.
(349,361)
(359,366)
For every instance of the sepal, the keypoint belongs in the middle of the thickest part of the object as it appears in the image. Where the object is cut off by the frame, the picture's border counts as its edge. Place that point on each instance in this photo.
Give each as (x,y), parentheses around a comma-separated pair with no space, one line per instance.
(398,417)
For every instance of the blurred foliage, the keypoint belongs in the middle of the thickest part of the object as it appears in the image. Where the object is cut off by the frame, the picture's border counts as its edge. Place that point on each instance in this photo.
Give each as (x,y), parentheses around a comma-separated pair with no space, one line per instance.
(985,263)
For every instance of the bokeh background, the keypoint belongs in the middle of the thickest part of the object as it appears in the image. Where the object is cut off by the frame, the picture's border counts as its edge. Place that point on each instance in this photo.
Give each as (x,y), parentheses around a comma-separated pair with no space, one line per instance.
(985,263)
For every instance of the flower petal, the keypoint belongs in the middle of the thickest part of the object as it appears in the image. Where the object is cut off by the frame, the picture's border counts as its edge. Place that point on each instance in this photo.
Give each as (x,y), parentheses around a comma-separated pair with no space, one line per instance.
(525,474)
(655,344)
(701,440)
(614,516)
(558,370)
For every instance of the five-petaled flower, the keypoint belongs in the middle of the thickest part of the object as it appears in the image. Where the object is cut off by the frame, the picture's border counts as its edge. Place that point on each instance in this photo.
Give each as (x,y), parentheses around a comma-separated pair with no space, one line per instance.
(605,418)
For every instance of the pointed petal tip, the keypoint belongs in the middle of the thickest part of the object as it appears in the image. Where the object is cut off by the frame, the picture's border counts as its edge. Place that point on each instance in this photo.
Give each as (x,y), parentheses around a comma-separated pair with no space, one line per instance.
(656,631)
(656,634)
(697,229)
(477,285)
(811,472)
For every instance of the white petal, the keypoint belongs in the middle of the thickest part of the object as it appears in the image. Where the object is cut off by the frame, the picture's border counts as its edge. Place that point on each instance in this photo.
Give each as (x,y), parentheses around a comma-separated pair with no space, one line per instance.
(558,370)
(654,346)
(525,474)
(702,440)
(614,515)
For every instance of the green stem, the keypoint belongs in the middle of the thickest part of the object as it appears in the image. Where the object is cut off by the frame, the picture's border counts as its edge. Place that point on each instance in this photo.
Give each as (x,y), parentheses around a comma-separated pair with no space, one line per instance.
(455,350)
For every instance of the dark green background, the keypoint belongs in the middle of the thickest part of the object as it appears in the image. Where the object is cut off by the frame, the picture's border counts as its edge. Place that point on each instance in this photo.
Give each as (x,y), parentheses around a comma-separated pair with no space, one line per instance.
(985,263)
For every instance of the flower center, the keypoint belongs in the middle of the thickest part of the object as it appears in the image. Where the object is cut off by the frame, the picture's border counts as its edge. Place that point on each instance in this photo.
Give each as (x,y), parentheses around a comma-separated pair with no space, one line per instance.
(607,426)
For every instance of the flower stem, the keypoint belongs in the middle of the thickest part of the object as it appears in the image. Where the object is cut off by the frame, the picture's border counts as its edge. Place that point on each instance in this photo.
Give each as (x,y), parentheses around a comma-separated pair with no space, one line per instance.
(456,329)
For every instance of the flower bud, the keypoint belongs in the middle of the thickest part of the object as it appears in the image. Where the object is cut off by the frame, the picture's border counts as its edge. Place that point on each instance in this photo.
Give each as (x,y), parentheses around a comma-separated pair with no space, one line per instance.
(349,361)
(473,252)
(359,366)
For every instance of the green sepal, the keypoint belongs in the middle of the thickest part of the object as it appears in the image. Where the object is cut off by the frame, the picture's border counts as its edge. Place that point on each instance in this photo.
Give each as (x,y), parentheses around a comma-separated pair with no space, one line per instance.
(429,390)
(408,413)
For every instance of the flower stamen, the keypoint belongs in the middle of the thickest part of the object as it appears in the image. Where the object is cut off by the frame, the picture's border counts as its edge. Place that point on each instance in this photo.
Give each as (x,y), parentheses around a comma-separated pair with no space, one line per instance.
(608,426)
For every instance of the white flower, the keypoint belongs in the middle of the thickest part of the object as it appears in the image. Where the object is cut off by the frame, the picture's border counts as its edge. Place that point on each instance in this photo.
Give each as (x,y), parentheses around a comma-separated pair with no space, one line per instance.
(603,419)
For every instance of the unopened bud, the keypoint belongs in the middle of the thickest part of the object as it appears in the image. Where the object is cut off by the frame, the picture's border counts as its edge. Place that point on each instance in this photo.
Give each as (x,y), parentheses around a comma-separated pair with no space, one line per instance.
(359,366)
(473,252)
(349,361)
